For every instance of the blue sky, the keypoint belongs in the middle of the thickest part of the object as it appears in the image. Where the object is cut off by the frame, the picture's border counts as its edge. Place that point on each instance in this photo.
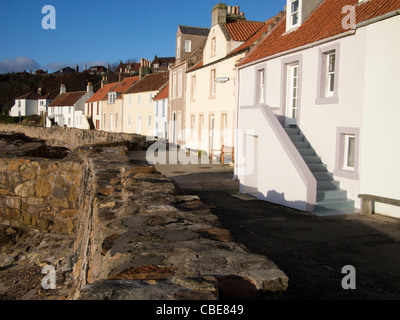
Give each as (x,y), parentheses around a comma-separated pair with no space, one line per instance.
(100,32)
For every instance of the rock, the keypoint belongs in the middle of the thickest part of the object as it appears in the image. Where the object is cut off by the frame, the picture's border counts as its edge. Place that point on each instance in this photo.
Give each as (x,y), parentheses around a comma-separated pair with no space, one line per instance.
(43,187)
(25,189)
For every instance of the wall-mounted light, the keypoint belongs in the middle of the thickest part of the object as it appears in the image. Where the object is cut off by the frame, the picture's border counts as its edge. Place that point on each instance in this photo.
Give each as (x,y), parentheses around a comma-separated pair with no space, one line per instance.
(222,79)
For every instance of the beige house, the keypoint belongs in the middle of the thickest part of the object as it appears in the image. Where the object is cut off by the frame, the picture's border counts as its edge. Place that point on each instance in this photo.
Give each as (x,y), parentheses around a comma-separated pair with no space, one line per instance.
(113,106)
(210,93)
(138,109)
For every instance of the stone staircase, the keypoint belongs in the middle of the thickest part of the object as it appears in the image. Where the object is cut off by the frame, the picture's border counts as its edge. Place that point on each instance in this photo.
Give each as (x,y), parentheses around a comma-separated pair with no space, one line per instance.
(331,199)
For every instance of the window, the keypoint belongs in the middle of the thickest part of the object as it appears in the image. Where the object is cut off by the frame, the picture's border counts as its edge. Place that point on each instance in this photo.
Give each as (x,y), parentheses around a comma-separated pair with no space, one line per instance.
(330,74)
(260,86)
(111,97)
(347,150)
(149,98)
(156,66)
(163,108)
(294,13)
(149,121)
(116,121)
(130,100)
(188,45)
(111,122)
(212,80)
(174,85)
(180,80)
(104,121)
(129,121)
(139,99)
(157,105)
(328,77)
(192,125)
(213,46)
(194,88)
(224,127)
(178,47)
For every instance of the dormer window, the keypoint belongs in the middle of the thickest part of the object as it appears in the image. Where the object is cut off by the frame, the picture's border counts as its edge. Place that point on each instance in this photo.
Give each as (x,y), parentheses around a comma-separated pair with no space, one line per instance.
(111,97)
(293,14)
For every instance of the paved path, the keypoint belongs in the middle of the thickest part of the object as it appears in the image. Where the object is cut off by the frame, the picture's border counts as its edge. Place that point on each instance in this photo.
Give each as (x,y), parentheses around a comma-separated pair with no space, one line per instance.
(311,250)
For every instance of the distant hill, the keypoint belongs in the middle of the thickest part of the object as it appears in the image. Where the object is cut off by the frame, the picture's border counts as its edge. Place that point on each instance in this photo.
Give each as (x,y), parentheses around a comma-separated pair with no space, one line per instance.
(15,85)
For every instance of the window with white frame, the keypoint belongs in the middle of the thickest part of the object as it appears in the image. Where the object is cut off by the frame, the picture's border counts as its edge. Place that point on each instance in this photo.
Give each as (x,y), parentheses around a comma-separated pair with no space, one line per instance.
(178,47)
(111,97)
(163,108)
(328,77)
(139,100)
(116,121)
(149,121)
(188,45)
(294,13)
(192,125)
(193,87)
(149,98)
(174,85)
(212,83)
(260,86)
(349,152)
(213,46)
(129,121)
(157,105)
(129,100)
(330,65)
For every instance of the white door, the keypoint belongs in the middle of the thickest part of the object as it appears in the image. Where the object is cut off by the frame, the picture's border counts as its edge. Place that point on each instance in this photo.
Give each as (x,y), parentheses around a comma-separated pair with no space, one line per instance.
(292,94)
(211,131)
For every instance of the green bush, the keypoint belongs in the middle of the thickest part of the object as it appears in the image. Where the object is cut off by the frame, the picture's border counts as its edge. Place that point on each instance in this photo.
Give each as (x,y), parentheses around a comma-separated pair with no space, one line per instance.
(8,119)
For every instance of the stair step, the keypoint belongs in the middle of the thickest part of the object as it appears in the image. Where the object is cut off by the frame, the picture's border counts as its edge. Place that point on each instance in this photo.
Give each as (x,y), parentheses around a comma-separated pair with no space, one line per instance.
(312,159)
(307,152)
(333,212)
(301,144)
(291,131)
(317,167)
(331,194)
(296,138)
(323,176)
(328,185)
(334,204)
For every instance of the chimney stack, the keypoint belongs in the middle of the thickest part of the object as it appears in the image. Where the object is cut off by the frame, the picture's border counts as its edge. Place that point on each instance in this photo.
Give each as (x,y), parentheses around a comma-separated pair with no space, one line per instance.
(39,91)
(218,14)
(63,89)
(89,87)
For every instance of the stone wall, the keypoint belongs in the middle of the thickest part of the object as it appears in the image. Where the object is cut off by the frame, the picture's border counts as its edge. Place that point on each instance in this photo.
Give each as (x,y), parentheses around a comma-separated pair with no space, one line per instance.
(40,192)
(72,137)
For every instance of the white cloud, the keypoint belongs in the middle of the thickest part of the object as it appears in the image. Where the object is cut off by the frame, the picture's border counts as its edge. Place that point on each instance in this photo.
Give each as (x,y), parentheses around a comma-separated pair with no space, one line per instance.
(19,64)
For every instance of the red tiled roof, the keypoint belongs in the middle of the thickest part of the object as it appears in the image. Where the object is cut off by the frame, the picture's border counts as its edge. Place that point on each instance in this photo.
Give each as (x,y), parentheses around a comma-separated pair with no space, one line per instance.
(67,99)
(241,30)
(258,35)
(164,93)
(151,82)
(102,92)
(125,84)
(323,23)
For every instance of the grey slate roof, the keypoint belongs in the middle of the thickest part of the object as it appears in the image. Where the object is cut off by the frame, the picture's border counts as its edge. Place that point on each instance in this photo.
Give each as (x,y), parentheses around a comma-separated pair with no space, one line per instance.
(197,31)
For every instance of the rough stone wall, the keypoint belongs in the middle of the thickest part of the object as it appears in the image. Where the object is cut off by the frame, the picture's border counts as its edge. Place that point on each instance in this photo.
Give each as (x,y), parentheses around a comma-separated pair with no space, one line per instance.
(71,137)
(40,192)
(139,238)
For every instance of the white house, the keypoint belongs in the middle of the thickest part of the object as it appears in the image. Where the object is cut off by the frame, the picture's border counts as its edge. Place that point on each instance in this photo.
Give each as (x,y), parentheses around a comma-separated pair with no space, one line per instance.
(67,109)
(31,103)
(318,107)
(160,103)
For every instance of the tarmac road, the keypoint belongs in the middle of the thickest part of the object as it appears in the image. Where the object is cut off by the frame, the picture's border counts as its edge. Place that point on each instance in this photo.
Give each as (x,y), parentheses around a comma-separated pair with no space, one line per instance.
(311,250)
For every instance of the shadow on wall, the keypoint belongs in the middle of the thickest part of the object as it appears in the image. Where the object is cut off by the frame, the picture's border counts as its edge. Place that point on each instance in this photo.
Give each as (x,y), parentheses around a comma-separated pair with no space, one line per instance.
(279,198)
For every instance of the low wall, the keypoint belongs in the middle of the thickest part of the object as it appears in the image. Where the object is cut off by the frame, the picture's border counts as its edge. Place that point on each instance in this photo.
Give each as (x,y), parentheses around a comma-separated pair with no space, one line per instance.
(72,137)
(40,192)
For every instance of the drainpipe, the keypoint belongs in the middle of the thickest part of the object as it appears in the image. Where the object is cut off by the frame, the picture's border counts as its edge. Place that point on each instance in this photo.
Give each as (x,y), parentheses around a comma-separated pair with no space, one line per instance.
(235,130)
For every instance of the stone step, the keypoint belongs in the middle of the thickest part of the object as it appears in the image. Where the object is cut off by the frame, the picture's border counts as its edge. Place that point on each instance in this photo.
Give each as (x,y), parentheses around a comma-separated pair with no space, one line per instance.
(293,131)
(301,144)
(334,204)
(331,194)
(296,138)
(333,212)
(323,176)
(317,167)
(312,159)
(328,185)
(307,152)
